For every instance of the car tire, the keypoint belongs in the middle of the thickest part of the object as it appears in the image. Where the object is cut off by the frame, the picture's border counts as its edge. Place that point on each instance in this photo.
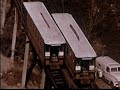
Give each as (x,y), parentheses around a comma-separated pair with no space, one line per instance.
(112,85)
(97,75)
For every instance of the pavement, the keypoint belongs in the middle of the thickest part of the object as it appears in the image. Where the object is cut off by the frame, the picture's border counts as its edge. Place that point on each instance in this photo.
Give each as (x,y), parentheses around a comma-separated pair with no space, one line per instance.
(102,84)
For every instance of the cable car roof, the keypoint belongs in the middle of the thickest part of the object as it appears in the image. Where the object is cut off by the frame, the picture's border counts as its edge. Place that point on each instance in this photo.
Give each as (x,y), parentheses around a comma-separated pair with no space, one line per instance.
(44,23)
(74,35)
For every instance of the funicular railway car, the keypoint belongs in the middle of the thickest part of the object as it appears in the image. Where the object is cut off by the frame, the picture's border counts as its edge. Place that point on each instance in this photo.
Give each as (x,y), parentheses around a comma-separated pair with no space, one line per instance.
(80,56)
(44,35)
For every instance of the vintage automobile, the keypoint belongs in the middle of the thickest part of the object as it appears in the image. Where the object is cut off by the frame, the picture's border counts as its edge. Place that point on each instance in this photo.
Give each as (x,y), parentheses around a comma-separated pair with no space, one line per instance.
(109,70)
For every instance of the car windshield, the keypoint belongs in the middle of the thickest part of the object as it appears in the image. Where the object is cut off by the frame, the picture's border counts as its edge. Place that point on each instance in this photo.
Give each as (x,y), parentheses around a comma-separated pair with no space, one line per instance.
(113,69)
(118,68)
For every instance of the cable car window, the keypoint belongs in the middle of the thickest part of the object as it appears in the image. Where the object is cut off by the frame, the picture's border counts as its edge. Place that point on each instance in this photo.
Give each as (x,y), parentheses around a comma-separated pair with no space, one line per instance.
(85,65)
(62,48)
(91,62)
(47,48)
(54,50)
(78,62)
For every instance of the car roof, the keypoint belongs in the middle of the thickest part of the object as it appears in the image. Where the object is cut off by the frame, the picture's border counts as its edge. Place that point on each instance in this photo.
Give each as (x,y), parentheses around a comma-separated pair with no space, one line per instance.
(106,60)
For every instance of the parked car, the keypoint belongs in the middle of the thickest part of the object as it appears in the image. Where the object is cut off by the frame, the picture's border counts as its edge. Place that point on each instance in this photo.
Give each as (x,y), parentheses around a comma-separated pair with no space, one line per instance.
(109,70)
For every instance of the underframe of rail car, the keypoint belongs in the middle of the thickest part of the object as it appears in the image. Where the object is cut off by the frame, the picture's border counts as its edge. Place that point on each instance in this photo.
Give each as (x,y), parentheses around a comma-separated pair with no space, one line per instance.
(54,55)
(80,68)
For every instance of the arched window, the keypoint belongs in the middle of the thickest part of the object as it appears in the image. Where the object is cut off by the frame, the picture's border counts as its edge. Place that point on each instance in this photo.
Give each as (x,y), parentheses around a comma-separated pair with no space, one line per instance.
(47,48)
(74,31)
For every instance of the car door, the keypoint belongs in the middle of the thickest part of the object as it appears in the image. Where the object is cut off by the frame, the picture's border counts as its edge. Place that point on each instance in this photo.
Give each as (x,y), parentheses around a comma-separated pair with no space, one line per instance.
(107,74)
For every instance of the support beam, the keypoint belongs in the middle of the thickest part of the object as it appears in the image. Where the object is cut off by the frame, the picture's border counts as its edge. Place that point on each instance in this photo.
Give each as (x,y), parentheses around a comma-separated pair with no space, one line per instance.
(48,83)
(14,35)
(42,84)
(25,63)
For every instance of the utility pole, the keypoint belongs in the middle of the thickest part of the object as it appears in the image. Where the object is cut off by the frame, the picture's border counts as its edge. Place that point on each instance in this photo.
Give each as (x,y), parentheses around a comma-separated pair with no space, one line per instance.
(14,36)
(25,63)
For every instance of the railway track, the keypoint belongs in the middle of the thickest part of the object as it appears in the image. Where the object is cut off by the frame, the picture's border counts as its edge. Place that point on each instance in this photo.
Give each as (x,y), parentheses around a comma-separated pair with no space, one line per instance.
(57,78)
(20,11)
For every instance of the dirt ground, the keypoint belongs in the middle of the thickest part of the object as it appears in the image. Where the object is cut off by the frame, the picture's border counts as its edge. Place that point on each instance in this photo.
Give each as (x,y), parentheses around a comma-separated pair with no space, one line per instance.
(11,74)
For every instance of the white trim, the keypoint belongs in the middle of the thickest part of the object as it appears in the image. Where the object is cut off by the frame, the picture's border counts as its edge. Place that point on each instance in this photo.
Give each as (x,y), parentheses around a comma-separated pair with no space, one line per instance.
(91,67)
(86,58)
(61,53)
(77,67)
(47,53)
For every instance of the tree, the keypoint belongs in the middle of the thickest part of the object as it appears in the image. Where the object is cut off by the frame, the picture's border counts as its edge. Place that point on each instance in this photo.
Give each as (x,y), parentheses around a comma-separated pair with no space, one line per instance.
(6,4)
(95,13)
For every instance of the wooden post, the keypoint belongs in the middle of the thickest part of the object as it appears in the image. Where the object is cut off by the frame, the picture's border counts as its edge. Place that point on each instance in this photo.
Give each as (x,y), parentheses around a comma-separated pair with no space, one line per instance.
(6,4)
(14,35)
(42,84)
(3,12)
(25,63)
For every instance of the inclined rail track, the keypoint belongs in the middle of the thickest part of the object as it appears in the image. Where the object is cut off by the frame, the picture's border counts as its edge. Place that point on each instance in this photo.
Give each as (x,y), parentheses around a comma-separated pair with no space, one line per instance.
(59,78)
(20,9)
